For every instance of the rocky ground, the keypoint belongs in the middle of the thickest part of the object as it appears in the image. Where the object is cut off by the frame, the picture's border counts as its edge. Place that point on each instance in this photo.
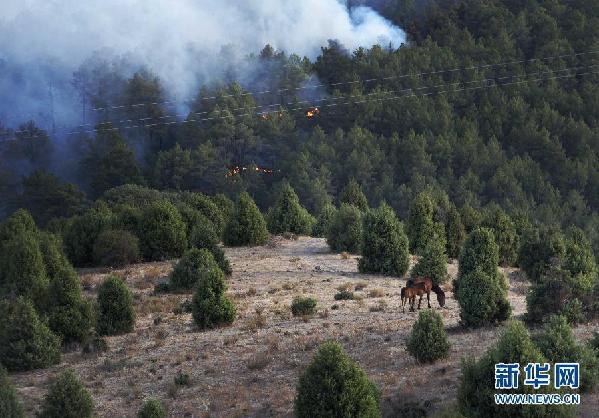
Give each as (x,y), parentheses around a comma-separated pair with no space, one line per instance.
(250,369)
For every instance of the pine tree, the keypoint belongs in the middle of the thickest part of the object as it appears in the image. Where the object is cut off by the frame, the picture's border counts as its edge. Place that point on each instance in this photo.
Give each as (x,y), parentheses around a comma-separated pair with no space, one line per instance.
(428,340)
(16,224)
(384,244)
(455,232)
(10,407)
(480,288)
(162,232)
(334,385)
(477,381)
(345,231)
(67,398)
(352,195)
(210,305)
(115,307)
(247,226)
(26,343)
(288,215)
(420,227)
(504,231)
(324,220)
(82,231)
(433,263)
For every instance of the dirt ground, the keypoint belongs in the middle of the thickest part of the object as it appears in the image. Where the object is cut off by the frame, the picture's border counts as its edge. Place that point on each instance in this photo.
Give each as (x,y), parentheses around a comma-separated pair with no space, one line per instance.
(250,369)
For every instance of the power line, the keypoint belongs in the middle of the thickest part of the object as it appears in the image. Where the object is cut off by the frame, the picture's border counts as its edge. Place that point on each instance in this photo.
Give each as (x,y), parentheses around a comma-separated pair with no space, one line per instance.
(254,94)
(487,85)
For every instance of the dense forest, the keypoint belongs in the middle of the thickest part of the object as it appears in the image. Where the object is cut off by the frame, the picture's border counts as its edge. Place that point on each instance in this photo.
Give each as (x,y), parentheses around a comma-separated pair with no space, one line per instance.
(490,105)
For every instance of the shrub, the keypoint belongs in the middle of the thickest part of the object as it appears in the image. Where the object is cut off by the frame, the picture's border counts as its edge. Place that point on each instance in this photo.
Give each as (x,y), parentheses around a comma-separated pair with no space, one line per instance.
(191,217)
(428,341)
(384,244)
(504,231)
(205,236)
(540,249)
(476,389)
(334,385)
(479,252)
(480,288)
(26,343)
(196,264)
(127,218)
(247,225)
(557,343)
(206,207)
(352,195)
(81,234)
(288,215)
(420,227)
(67,398)
(344,295)
(345,231)
(116,248)
(324,220)
(433,263)
(10,407)
(455,232)
(301,306)
(22,270)
(162,232)
(482,298)
(132,195)
(152,408)
(225,205)
(19,222)
(69,314)
(53,255)
(115,307)
(210,305)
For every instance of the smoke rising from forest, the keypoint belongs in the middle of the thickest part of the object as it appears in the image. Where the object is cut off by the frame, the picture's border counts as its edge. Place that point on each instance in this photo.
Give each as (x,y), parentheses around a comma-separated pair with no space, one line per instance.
(43,42)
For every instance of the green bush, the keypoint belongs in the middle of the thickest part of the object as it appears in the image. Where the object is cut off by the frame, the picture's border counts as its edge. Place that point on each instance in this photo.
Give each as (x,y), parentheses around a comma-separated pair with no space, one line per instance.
(152,408)
(433,263)
(455,232)
(247,225)
(162,232)
(477,383)
(196,264)
(210,305)
(204,236)
(53,255)
(420,228)
(480,288)
(344,295)
(301,306)
(482,298)
(324,220)
(480,252)
(206,207)
(352,195)
(540,249)
(557,343)
(81,234)
(26,343)
(18,223)
(115,307)
(10,407)
(191,217)
(288,215)
(22,270)
(334,385)
(69,315)
(127,218)
(225,205)
(345,231)
(116,248)
(67,398)
(428,341)
(384,244)
(506,237)
(132,195)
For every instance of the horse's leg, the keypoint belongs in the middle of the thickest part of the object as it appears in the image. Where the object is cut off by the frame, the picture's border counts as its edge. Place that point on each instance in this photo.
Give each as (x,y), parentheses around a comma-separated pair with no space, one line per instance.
(420,301)
(428,298)
(403,305)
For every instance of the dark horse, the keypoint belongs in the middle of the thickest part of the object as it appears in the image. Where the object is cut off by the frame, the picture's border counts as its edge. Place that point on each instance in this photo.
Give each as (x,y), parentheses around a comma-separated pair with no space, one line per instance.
(409,293)
(429,286)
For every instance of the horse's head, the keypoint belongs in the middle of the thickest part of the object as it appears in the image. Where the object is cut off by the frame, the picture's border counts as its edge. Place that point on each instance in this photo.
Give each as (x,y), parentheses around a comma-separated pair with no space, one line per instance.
(441,298)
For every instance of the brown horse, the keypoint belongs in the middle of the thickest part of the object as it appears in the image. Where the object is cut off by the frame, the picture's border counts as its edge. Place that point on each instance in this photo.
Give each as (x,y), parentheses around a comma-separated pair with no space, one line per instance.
(410,293)
(429,286)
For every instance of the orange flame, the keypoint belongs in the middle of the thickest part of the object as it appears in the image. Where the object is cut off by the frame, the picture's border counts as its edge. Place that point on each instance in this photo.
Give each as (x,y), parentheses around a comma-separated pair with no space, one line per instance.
(311,112)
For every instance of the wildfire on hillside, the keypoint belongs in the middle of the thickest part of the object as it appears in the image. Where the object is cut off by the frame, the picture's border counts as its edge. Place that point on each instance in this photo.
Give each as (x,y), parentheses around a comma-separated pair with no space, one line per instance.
(235,170)
(312,112)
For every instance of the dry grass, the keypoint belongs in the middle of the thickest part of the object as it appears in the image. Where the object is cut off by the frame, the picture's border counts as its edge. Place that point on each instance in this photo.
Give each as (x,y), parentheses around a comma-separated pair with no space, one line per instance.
(345,255)
(376,293)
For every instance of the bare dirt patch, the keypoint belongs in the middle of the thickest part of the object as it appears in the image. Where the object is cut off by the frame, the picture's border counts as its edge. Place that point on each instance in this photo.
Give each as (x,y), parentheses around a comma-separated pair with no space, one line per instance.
(250,369)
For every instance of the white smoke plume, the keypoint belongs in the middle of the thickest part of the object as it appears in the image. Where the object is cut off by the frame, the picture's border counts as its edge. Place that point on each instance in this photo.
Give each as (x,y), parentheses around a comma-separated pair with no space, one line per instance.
(43,41)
